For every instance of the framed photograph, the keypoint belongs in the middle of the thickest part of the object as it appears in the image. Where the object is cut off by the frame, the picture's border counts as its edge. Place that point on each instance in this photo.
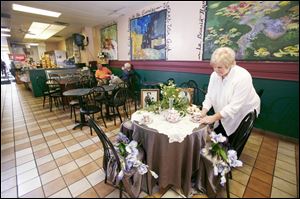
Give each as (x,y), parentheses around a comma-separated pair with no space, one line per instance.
(187,93)
(149,96)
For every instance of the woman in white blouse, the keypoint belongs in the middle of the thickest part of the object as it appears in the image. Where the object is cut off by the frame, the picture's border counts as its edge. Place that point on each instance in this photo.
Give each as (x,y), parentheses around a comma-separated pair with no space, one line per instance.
(230,92)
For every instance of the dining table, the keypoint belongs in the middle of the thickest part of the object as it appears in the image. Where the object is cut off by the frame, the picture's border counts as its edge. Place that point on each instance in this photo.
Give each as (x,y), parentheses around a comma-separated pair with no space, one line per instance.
(79,93)
(172,149)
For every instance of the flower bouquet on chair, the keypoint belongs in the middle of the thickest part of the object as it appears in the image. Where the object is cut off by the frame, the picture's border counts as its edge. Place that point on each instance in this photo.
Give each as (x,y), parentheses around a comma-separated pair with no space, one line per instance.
(222,158)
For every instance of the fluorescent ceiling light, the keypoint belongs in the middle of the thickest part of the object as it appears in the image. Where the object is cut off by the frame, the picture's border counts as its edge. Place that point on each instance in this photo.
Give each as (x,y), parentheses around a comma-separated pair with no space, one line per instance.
(33,44)
(42,30)
(5,29)
(5,35)
(37,11)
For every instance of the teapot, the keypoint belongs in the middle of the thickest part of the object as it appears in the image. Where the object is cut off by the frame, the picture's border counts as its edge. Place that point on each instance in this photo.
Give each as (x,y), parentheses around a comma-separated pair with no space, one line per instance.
(173,115)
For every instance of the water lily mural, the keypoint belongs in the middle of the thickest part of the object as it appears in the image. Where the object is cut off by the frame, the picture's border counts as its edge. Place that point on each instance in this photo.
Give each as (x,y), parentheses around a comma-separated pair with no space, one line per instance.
(148,37)
(256,30)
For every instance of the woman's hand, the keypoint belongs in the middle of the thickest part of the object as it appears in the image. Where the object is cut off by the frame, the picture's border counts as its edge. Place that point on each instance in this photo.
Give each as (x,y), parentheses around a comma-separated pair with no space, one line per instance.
(208,119)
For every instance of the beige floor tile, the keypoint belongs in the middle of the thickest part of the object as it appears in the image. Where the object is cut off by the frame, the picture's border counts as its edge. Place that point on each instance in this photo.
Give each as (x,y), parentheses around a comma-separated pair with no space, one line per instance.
(236,188)
(64,193)
(103,189)
(73,176)
(54,186)
(11,193)
(287,159)
(66,168)
(287,152)
(8,184)
(285,186)
(96,177)
(79,187)
(37,193)
(24,159)
(64,160)
(277,193)
(90,193)
(46,167)
(29,186)
(89,168)
(26,176)
(240,177)
(49,176)
(83,160)
(285,175)
(286,166)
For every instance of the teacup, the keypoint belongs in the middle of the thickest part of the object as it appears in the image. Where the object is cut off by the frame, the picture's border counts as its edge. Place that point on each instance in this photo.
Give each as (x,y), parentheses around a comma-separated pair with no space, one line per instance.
(196,116)
(146,118)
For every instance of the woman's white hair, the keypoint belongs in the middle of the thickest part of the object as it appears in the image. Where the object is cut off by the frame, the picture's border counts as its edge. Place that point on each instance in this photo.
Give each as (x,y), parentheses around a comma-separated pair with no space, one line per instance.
(223,56)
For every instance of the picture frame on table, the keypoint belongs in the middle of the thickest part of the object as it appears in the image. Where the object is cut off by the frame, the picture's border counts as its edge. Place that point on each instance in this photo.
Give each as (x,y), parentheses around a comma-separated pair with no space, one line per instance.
(187,93)
(149,96)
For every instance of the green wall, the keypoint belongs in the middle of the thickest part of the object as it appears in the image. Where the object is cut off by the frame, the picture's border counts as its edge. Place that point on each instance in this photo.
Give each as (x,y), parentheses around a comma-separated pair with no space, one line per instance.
(279,102)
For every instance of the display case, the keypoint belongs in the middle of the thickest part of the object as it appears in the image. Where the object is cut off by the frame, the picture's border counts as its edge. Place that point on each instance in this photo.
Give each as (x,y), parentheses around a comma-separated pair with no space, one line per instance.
(54,59)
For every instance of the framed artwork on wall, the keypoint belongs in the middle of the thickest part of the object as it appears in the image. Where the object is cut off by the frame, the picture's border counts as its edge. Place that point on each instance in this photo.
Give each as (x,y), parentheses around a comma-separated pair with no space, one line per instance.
(148,36)
(256,30)
(149,96)
(109,43)
(187,94)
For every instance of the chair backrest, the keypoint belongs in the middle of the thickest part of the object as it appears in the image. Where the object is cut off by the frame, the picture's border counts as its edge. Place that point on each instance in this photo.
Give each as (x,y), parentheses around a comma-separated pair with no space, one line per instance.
(85,82)
(120,97)
(193,84)
(242,133)
(170,80)
(53,86)
(108,147)
(260,92)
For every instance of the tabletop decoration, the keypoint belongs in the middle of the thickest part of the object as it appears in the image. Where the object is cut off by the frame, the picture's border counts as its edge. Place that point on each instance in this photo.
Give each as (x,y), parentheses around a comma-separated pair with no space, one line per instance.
(223,160)
(128,153)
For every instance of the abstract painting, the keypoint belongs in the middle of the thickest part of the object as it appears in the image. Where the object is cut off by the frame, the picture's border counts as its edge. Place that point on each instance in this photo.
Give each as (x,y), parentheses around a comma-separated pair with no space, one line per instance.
(109,42)
(148,37)
(256,30)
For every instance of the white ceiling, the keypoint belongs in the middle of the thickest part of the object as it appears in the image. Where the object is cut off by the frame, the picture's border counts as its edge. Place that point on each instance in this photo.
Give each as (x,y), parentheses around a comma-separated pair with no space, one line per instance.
(77,14)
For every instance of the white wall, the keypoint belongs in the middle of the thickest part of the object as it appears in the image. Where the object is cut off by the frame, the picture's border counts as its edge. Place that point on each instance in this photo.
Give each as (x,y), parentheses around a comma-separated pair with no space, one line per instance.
(185,26)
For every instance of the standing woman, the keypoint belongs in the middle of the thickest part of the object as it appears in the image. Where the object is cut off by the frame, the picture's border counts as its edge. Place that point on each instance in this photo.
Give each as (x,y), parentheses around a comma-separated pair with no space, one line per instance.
(230,92)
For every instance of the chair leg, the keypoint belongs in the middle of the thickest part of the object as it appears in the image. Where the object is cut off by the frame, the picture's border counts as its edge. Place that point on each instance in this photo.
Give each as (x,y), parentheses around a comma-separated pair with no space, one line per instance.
(119,114)
(102,116)
(50,102)
(71,111)
(227,186)
(44,101)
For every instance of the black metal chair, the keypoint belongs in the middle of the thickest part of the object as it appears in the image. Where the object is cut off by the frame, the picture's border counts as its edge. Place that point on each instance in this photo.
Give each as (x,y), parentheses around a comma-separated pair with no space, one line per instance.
(89,106)
(119,99)
(100,98)
(112,164)
(109,151)
(55,92)
(240,138)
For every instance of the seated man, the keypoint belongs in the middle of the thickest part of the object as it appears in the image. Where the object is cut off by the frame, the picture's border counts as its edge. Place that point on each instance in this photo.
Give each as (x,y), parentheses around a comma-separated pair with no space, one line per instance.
(102,74)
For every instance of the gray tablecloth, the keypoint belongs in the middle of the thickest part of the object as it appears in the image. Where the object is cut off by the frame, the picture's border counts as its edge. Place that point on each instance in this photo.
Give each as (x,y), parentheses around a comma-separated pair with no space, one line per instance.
(175,163)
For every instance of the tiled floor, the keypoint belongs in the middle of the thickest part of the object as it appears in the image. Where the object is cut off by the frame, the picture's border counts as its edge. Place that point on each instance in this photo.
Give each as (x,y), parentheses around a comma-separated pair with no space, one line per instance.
(41,156)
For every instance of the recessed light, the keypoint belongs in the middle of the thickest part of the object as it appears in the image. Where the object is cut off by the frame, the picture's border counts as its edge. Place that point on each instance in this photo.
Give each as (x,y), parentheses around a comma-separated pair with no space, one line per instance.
(5,29)
(32,10)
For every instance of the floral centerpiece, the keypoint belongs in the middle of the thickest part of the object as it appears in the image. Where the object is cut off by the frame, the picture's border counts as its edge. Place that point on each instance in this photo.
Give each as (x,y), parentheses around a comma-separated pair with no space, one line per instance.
(171,98)
(128,154)
(223,160)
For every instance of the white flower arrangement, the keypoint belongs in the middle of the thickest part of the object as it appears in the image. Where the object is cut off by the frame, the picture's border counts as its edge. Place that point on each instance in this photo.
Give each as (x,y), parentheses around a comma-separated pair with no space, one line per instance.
(222,161)
(128,154)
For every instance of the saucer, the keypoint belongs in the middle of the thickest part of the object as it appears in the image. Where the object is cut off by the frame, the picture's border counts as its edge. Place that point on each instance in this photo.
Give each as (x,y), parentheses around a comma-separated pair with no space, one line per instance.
(149,122)
(173,121)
